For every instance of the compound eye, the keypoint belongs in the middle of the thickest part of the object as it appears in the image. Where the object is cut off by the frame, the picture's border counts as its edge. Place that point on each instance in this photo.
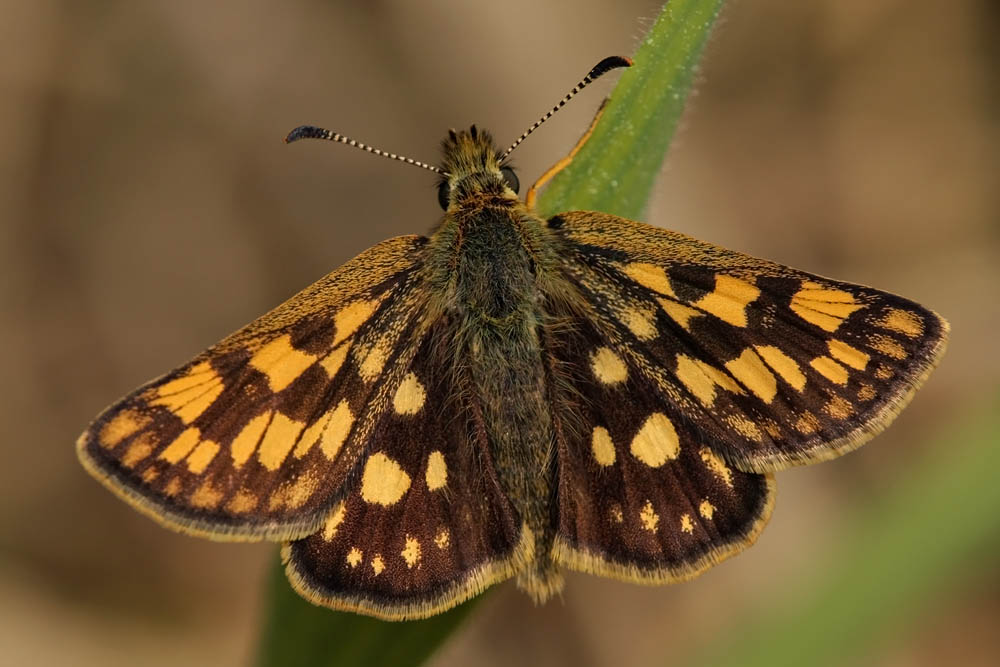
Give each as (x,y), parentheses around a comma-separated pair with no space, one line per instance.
(510,178)
(444,192)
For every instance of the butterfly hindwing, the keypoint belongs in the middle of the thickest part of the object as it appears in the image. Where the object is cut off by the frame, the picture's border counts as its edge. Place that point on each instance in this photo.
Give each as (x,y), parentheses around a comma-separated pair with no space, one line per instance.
(641,497)
(424,523)
(770,366)
(253,438)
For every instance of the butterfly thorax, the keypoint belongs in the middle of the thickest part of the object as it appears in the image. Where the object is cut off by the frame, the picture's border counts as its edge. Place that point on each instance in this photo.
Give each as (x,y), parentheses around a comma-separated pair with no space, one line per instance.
(489,259)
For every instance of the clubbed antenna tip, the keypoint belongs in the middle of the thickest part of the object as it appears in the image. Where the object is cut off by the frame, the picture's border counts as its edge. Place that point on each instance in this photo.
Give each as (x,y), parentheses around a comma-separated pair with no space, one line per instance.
(313,132)
(601,68)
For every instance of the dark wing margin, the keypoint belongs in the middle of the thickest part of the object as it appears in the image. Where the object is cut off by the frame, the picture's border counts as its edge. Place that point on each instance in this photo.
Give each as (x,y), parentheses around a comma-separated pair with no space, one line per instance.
(424,525)
(253,438)
(771,366)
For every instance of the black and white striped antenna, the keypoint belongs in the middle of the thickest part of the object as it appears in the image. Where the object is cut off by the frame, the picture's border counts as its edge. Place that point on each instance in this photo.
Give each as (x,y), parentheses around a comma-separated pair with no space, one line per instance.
(313,132)
(600,69)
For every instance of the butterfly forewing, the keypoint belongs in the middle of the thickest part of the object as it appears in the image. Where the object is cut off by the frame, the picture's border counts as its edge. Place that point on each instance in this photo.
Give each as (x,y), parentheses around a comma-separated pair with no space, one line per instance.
(255,436)
(424,525)
(770,366)
(642,497)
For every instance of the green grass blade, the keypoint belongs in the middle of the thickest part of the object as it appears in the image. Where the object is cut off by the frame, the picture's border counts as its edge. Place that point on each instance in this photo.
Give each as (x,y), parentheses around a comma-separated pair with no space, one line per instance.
(930,535)
(614,173)
(615,170)
(298,633)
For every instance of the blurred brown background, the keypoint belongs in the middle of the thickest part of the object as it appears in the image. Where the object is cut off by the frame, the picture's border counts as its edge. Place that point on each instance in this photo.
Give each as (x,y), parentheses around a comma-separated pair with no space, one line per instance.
(150,208)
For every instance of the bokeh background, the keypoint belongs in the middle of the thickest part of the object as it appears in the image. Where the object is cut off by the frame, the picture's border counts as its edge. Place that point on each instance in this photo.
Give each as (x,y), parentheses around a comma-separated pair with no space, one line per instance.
(149,208)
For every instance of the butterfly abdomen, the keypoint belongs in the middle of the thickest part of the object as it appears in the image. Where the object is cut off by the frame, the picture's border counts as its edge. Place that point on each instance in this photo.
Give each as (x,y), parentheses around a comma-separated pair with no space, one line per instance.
(490,254)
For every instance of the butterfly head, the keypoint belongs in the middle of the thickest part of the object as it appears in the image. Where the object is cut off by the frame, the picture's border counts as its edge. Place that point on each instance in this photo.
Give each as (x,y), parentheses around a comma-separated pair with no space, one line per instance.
(473,167)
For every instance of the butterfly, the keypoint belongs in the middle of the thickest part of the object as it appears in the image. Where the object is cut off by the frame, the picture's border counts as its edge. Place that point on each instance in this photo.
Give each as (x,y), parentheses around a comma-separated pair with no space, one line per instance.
(510,397)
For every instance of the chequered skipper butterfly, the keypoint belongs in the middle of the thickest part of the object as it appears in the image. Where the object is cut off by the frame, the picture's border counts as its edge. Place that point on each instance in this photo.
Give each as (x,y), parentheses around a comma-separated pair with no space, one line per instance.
(512,396)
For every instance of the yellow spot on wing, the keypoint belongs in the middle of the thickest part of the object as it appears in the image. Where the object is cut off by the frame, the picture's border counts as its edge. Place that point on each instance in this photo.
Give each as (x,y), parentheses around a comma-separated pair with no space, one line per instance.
(866,392)
(883,372)
(337,430)
(706,509)
(411,552)
(374,360)
(330,430)
(332,362)
(383,481)
(839,408)
(701,379)
(656,442)
(751,371)
(887,346)
(191,394)
(140,448)
(607,366)
(181,446)
(312,435)
(640,322)
(729,300)
(650,276)
(783,365)
(278,440)
(377,564)
(678,312)
(350,317)
(198,375)
(281,362)
(202,455)
(686,525)
(437,471)
(206,496)
(902,321)
(333,522)
(442,539)
(847,355)
(242,502)
(807,423)
(813,291)
(246,442)
(717,466)
(173,487)
(124,424)
(294,494)
(830,369)
(603,448)
(616,513)
(826,308)
(649,518)
(744,426)
(409,396)
(354,557)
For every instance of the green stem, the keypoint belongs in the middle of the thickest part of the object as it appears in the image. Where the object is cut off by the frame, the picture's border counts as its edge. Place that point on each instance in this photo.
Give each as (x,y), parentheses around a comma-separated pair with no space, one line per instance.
(615,170)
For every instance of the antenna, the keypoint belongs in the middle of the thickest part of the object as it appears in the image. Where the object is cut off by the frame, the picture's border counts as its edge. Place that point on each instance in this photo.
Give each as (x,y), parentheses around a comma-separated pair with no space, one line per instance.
(601,68)
(312,132)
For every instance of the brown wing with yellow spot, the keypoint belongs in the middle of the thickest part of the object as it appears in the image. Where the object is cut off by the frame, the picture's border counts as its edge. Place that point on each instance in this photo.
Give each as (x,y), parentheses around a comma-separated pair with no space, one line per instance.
(424,525)
(642,497)
(254,438)
(768,366)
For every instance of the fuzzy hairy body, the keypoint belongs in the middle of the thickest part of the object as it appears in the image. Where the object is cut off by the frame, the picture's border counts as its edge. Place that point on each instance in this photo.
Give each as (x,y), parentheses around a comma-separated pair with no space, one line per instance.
(497,317)
(492,263)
